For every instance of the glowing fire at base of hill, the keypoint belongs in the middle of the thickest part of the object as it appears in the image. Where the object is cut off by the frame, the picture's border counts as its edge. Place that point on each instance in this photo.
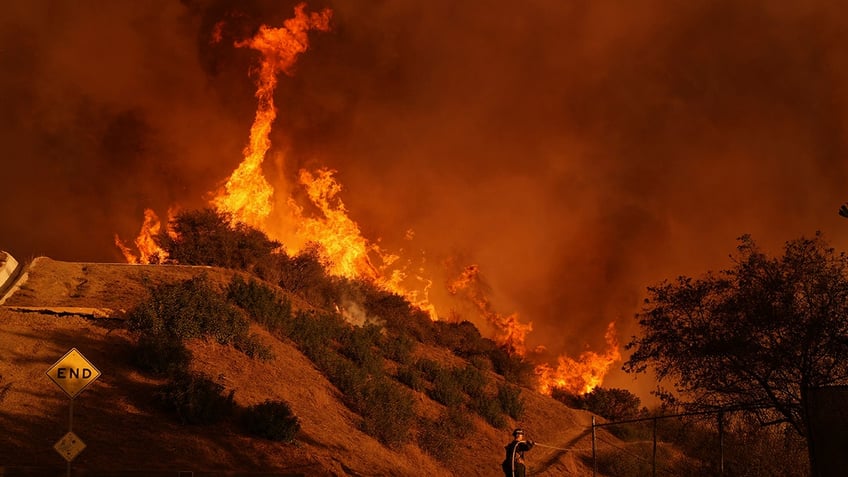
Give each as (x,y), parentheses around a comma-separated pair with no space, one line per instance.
(248,198)
(584,374)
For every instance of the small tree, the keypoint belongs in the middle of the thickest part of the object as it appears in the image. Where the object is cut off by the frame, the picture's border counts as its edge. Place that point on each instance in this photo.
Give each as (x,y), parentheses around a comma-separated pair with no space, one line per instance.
(757,335)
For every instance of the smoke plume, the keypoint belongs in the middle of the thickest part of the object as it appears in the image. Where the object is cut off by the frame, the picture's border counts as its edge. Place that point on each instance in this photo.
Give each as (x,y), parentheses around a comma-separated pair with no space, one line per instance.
(576,151)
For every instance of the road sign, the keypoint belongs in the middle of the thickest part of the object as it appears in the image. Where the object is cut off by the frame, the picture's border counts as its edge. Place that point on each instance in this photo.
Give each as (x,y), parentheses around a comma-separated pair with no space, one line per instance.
(73,373)
(69,446)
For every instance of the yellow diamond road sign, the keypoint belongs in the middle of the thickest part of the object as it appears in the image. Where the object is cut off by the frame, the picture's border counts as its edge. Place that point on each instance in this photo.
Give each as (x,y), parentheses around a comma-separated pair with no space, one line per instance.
(69,446)
(73,373)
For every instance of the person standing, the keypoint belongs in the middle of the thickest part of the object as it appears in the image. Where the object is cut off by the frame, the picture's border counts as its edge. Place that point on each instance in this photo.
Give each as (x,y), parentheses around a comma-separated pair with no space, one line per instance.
(513,465)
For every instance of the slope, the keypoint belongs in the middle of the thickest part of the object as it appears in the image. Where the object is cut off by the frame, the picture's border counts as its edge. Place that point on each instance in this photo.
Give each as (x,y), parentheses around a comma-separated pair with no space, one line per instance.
(60,305)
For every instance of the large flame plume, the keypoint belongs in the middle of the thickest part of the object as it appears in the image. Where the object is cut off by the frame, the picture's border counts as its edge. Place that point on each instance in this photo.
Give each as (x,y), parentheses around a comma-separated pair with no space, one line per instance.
(247,194)
(248,197)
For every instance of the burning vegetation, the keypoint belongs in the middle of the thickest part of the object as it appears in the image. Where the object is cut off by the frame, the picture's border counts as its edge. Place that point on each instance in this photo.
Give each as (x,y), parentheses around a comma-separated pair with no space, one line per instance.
(321,232)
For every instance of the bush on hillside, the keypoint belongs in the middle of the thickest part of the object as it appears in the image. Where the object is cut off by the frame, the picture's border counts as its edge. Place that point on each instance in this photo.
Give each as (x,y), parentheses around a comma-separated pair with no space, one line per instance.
(398,348)
(514,368)
(253,347)
(446,388)
(361,345)
(161,354)
(261,303)
(305,275)
(188,309)
(440,437)
(271,420)
(462,338)
(344,374)
(208,237)
(471,380)
(387,411)
(400,317)
(412,378)
(429,368)
(489,408)
(510,400)
(196,399)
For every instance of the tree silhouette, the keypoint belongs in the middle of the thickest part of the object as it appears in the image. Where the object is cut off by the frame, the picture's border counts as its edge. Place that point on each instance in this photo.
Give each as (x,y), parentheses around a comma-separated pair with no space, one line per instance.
(758,335)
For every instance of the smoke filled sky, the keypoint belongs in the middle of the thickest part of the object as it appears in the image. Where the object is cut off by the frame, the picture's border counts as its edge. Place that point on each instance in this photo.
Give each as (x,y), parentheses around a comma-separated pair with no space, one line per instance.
(577,151)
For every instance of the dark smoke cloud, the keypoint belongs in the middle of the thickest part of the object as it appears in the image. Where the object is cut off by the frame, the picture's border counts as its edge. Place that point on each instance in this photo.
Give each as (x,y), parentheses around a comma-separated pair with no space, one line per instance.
(577,151)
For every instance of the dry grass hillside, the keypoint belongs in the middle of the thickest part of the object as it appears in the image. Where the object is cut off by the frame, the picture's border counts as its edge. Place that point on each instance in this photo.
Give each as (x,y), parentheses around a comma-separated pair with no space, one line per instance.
(60,305)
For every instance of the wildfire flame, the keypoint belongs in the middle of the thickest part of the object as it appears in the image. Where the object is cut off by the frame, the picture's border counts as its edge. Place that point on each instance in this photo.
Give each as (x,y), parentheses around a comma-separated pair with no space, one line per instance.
(248,198)
(584,374)
(148,250)
(345,249)
(512,333)
(247,194)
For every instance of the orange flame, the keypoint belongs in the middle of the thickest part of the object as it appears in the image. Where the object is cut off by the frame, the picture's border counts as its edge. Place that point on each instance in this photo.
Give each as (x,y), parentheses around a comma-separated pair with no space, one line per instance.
(345,249)
(247,195)
(512,332)
(148,250)
(582,375)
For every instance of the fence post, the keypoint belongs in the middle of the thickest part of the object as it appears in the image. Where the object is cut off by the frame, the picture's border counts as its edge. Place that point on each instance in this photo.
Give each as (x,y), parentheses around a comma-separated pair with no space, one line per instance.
(654,458)
(721,443)
(594,454)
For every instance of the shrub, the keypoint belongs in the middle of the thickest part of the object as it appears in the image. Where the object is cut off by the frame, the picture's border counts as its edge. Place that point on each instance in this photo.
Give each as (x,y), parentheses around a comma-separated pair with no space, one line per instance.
(398,348)
(387,411)
(489,408)
(359,343)
(208,237)
(446,389)
(196,399)
(316,330)
(462,338)
(471,380)
(161,354)
(188,309)
(411,377)
(510,400)
(400,316)
(262,303)
(481,362)
(349,378)
(272,420)
(514,368)
(439,437)
(305,275)
(429,368)
(252,346)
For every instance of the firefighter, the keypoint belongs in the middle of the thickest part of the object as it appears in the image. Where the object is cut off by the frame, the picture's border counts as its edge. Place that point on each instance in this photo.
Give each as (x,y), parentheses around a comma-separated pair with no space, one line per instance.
(513,465)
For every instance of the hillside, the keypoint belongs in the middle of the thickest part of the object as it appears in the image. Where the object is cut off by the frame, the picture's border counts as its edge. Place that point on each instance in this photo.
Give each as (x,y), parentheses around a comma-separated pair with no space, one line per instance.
(60,305)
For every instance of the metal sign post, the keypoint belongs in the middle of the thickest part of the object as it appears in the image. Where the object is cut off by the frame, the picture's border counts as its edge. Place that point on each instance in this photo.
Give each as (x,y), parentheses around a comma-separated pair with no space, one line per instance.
(72,373)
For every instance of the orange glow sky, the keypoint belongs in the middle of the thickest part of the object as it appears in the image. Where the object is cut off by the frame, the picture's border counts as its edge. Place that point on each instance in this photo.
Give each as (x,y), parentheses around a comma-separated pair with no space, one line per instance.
(577,151)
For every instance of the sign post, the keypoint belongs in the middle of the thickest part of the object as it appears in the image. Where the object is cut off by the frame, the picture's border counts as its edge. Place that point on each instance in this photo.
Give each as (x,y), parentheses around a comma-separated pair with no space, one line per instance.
(73,373)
